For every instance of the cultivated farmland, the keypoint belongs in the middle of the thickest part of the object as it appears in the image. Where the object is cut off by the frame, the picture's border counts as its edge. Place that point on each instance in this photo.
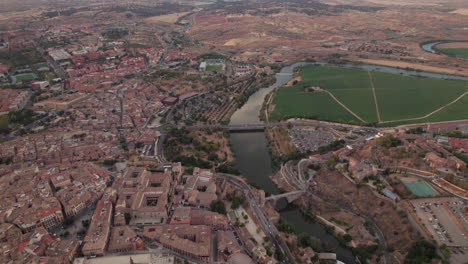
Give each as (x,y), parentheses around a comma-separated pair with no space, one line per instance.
(402,97)
(293,102)
(347,95)
(459,52)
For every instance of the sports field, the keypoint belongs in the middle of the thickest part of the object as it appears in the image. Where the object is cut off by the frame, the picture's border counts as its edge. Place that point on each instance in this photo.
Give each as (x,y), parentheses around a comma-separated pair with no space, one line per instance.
(459,52)
(216,68)
(421,189)
(24,77)
(371,97)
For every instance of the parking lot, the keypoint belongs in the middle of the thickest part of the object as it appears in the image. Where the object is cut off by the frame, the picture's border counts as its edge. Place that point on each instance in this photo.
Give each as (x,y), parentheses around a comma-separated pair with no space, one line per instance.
(459,209)
(442,223)
(310,139)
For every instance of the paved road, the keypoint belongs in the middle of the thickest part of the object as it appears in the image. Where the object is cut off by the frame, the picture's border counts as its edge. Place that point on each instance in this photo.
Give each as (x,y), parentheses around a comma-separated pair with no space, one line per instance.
(269,228)
(263,125)
(388,259)
(410,171)
(301,169)
(283,195)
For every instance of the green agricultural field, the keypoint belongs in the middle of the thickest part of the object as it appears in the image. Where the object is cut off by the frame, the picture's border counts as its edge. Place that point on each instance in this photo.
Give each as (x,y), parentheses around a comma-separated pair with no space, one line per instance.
(459,52)
(293,102)
(402,97)
(214,68)
(456,111)
(351,86)
(399,97)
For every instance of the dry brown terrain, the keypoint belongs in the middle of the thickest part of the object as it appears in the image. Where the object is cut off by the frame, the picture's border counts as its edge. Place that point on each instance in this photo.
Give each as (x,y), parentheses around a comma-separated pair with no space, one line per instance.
(182,82)
(439,3)
(334,187)
(295,27)
(417,66)
(280,141)
(170,18)
(461,11)
(400,188)
(453,45)
(281,30)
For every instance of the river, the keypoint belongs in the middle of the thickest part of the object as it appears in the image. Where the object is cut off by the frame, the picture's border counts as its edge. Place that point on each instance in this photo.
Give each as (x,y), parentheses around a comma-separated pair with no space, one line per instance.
(429,47)
(254,161)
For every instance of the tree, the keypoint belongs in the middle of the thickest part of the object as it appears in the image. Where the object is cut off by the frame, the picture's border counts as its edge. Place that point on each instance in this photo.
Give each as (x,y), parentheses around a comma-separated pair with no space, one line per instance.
(387,172)
(285,227)
(109,162)
(68,221)
(268,250)
(237,201)
(81,232)
(332,161)
(445,251)
(347,238)
(278,255)
(421,251)
(128,217)
(228,168)
(85,223)
(417,130)
(189,171)
(218,206)
(390,141)
(4,125)
(306,240)
(213,157)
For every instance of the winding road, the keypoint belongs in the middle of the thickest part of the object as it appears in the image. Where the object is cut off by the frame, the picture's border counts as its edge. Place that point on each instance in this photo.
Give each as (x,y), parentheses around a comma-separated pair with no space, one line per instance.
(268,227)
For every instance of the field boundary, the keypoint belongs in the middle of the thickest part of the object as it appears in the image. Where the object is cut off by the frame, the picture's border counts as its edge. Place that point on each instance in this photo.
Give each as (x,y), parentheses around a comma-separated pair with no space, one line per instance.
(344,106)
(376,103)
(431,113)
(401,105)
(431,123)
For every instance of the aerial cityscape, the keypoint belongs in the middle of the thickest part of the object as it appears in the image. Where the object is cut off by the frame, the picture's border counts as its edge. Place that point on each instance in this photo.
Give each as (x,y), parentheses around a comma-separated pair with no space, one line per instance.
(234,131)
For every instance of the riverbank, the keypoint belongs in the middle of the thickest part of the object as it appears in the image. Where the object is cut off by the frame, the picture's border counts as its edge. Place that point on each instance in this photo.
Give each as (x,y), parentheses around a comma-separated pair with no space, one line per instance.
(365,222)
(415,66)
(436,47)
(253,157)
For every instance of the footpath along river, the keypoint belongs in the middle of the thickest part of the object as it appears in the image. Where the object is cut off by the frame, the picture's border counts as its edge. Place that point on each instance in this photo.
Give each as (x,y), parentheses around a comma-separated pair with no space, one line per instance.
(254,161)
